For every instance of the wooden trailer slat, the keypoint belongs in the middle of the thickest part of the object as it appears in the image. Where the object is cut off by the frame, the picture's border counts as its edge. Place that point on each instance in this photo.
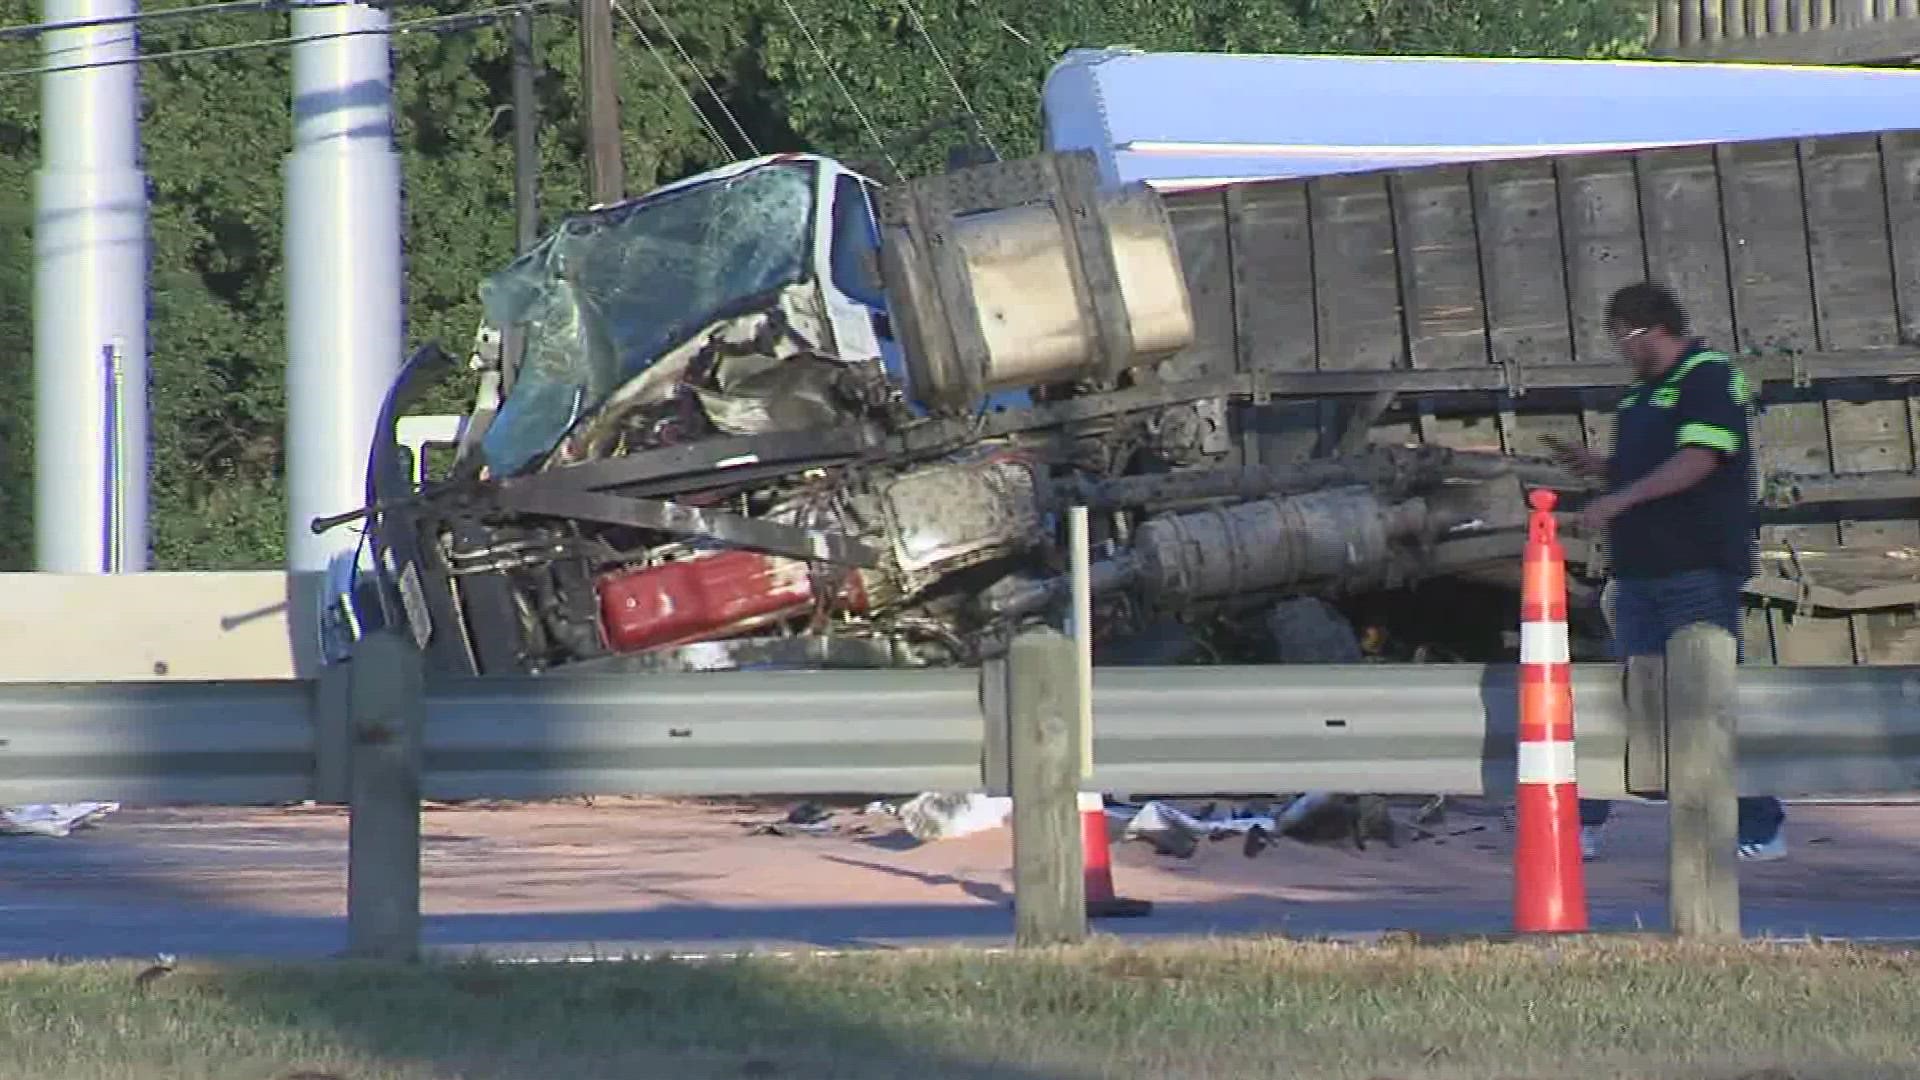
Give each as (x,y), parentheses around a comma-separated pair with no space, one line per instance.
(1774,246)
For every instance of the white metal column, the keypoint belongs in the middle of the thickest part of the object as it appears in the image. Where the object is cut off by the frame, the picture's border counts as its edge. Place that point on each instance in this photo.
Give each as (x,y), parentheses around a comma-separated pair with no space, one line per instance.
(90,298)
(345,310)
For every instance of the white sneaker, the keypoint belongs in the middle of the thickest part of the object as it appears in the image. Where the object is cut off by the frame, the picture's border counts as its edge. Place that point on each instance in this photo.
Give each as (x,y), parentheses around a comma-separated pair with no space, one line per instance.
(1772,850)
(1590,842)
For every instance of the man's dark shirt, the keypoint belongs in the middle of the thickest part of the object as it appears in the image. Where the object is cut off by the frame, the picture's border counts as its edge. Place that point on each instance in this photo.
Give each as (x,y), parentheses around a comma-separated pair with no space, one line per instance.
(1701,401)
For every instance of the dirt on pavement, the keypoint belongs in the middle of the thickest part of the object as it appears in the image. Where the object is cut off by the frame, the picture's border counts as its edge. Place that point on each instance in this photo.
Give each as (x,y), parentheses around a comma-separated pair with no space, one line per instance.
(675,871)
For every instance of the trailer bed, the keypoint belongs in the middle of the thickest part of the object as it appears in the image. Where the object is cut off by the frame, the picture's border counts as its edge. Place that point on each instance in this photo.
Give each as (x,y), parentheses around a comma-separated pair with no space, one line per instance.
(1463,305)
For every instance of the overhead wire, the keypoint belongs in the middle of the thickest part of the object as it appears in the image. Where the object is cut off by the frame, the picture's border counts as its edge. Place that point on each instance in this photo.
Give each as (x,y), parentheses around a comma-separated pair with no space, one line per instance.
(920,24)
(193,11)
(674,40)
(1017,35)
(639,31)
(447,23)
(858,112)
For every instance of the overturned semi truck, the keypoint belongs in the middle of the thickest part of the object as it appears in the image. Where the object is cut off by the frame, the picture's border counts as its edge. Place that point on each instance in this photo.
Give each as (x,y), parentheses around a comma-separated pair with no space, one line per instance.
(772,415)
(776,414)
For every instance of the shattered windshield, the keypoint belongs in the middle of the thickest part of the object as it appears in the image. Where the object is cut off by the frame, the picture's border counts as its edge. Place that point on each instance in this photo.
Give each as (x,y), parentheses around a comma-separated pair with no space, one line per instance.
(607,293)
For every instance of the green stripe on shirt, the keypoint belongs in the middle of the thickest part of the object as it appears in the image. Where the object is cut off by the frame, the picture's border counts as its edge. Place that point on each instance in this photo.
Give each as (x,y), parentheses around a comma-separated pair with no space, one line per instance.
(1709,436)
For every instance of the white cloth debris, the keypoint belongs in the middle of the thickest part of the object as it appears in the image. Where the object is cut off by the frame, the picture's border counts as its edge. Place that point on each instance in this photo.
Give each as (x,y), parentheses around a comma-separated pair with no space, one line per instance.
(944,816)
(52,819)
(1172,829)
(1158,817)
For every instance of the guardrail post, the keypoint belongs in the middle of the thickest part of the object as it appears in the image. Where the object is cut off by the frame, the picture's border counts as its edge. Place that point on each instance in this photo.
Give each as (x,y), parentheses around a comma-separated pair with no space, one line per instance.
(1646,700)
(996,761)
(388,711)
(1049,887)
(1703,886)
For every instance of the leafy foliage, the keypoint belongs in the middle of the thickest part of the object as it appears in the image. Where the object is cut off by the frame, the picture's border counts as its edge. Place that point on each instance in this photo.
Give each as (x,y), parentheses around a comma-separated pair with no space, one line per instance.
(16,375)
(700,83)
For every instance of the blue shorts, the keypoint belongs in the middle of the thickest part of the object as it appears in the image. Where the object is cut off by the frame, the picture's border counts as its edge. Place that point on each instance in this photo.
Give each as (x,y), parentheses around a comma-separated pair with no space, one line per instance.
(1647,611)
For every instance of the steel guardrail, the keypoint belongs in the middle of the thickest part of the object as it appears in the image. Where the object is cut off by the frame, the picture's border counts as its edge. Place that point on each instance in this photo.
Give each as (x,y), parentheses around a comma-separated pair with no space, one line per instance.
(1411,729)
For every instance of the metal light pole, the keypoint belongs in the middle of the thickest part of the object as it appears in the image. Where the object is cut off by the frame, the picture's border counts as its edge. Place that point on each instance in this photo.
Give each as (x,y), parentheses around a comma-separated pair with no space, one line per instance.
(90,299)
(345,310)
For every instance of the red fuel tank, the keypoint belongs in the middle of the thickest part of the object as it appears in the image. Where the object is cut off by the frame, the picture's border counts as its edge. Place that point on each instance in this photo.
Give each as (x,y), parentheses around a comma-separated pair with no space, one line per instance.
(711,596)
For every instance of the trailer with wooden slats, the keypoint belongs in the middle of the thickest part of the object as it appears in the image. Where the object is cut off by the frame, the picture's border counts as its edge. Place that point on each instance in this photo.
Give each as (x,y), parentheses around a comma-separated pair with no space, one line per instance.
(1794,31)
(1463,305)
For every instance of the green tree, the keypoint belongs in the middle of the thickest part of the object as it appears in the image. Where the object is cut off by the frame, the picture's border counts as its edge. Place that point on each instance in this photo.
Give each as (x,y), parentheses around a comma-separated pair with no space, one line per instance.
(216,129)
(893,58)
(16,377)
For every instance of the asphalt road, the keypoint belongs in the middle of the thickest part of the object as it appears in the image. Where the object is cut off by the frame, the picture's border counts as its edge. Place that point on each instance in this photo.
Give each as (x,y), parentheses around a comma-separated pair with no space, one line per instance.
(632,875)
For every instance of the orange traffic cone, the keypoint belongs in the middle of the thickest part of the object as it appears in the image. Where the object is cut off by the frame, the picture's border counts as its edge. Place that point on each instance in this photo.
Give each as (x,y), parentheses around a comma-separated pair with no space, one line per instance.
(1549,886)
(1096,847)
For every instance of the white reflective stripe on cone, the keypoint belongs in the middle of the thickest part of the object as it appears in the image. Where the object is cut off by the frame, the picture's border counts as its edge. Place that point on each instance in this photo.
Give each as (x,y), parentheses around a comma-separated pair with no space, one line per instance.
(1091,802)
(1547,763)
(1543,643)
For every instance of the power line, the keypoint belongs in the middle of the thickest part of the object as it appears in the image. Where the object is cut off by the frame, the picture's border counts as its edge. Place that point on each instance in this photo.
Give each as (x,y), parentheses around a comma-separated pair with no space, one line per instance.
(674,40)
(453,23)
(844,92)
(33,30)
(712,132)
(913,12)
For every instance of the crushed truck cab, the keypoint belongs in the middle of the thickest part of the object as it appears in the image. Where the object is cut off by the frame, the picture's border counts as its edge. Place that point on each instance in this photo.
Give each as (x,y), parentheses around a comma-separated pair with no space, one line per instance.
(774,415)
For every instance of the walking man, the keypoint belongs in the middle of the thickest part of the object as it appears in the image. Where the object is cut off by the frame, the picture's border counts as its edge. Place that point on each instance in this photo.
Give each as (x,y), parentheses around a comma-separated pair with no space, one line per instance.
(1678,511)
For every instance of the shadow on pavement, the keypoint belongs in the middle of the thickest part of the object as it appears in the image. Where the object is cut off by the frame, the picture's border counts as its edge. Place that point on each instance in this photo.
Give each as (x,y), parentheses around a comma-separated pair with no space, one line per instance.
(82,932)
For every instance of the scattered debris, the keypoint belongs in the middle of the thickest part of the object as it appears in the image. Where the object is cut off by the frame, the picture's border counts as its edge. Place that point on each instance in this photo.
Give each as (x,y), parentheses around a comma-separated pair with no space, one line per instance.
(1173,831)
(806,819)
(52,819)
(1315,817)
(163,964)
(947,815)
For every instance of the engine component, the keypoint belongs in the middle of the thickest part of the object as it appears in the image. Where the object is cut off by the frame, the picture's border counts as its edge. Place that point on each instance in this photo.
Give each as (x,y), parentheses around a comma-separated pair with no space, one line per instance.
(948,517)
(1018,274)
(799,652)
(1325,535)
(709,596)
(1394,470)
(1018,596)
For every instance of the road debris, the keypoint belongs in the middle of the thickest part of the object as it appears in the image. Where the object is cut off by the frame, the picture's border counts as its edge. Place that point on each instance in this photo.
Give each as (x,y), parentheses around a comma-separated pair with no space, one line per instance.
(949,815)
(52,819)
(806,819)
(1314,817)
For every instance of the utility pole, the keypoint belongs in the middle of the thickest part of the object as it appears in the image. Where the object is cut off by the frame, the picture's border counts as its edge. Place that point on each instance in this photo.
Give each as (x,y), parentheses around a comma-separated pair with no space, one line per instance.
(526,135)
(526,172)
(606,174)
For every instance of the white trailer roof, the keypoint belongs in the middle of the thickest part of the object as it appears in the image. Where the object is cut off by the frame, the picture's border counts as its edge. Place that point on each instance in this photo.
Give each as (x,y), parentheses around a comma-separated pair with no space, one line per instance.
(1196,119)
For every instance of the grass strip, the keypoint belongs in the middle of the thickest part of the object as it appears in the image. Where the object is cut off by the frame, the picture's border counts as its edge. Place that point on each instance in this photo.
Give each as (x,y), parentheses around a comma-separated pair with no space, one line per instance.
(1568,1010)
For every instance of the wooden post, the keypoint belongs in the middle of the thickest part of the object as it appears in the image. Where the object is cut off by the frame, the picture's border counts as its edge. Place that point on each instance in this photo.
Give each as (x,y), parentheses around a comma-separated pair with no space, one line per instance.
(526,172)
(526,134)
(1050,901)
(606,170)
(1646,694)
(1703,887)
(388,710)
